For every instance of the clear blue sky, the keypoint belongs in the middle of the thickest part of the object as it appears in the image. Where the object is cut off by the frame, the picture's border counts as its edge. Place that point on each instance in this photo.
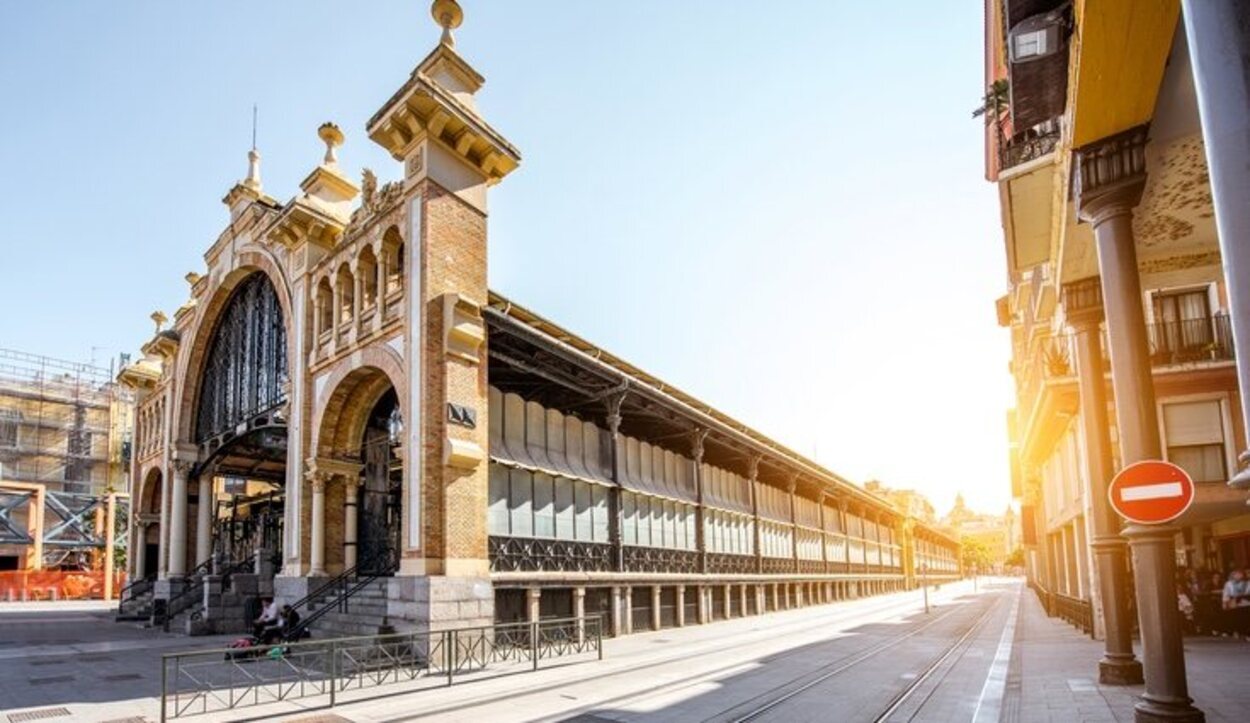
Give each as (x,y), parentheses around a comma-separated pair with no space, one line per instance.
(778,207)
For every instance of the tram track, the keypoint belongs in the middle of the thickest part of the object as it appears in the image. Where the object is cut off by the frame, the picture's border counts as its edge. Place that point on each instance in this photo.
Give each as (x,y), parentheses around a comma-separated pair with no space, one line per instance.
(835,668)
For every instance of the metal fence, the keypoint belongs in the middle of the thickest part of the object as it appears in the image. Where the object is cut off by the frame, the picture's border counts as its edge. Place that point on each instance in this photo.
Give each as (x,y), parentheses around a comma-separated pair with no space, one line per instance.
(342,669)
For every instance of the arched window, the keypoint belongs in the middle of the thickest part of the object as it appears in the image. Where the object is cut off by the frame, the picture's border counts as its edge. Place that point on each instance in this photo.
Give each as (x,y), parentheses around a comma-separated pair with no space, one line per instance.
(393,248)
(245,370)
(325,307)
(367,267)
(347,294)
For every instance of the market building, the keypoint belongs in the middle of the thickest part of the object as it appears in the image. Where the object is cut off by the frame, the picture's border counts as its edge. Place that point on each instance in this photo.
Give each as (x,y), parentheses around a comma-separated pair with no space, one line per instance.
(343,412)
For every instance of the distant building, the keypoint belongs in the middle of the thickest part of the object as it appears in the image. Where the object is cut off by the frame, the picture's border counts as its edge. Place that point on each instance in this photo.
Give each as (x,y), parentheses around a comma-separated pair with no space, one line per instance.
(998,534)
(910,502)
(65,431)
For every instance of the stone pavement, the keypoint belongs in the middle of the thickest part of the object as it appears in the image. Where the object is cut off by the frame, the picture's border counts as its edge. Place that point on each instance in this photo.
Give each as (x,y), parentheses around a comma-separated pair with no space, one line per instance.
(1053,676)
(57,653)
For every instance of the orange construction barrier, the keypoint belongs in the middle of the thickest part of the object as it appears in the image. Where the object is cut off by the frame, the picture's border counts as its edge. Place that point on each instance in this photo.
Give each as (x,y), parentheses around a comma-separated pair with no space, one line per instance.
(23,585)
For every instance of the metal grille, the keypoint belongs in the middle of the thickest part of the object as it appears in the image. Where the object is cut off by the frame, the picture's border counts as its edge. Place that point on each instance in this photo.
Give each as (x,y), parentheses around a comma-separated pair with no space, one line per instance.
(246,369)
(520,554)
(721,563)
(654,559)
(41,714)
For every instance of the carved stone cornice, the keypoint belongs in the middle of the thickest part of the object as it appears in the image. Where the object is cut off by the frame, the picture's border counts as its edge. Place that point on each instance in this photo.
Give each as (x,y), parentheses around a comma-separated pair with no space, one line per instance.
(1111,175)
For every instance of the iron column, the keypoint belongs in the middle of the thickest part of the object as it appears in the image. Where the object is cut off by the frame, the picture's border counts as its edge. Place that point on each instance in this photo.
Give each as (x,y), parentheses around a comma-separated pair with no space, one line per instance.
(1219,46)
(1111,175)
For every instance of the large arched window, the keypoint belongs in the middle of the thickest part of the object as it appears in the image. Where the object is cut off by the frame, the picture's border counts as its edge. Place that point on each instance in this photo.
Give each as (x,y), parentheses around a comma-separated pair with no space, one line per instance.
(245,371)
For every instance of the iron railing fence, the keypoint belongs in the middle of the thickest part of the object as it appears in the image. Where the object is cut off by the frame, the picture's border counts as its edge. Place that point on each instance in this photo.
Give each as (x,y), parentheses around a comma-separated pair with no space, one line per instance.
(1076,611)
(340,669)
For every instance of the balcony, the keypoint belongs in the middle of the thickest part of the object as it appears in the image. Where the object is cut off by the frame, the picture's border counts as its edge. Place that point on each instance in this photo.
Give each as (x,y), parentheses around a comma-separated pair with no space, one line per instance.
(1028,146)
(1051,363)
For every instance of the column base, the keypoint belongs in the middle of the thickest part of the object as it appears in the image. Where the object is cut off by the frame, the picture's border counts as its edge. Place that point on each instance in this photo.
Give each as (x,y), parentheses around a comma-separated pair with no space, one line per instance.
(1149,711)
(431,603)
(1113,671)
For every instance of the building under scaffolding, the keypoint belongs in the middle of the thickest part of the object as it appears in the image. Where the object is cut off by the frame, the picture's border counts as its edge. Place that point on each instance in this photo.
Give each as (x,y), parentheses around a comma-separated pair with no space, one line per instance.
(65,437)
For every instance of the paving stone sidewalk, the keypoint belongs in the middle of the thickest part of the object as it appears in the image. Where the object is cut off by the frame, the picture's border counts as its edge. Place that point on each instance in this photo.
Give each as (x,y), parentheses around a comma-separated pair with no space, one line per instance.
(1054,677)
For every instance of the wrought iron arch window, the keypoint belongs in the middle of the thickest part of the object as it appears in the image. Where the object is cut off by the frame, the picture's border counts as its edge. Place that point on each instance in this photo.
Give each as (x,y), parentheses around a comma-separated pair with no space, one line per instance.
(245,371)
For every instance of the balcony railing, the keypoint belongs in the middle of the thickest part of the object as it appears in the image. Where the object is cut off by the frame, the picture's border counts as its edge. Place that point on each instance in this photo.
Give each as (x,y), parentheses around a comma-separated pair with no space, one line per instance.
(1027,147)
(1171,343)
(1190,341)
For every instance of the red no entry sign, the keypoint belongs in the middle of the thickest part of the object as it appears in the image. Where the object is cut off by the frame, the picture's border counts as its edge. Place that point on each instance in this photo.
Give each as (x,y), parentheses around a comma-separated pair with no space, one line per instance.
(1151,492)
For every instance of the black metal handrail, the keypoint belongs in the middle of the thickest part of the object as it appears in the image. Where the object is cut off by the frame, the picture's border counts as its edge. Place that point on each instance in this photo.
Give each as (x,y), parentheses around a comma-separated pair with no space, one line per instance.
(194,591)
(346,583)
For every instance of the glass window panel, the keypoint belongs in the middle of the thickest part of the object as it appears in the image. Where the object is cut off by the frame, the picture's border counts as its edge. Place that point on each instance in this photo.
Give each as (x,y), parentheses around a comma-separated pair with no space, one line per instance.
(691,536)
(564,507)
(544,507)
(522,503)
(644,520)
(583,521)
(656,523)
(1203,462)
(629,523)
(497,516)
(601,513)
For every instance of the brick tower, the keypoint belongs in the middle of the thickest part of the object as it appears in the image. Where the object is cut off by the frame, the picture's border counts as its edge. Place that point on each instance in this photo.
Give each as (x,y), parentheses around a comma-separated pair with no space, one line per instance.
(450,157)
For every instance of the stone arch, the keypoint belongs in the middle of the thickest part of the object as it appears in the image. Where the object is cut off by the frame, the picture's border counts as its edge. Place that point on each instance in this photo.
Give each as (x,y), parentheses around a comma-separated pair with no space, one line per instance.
(149,497)
(192,364)
(354,385)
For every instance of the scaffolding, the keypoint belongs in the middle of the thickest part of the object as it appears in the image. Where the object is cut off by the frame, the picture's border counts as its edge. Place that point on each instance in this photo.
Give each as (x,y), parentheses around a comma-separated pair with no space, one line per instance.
(65,441)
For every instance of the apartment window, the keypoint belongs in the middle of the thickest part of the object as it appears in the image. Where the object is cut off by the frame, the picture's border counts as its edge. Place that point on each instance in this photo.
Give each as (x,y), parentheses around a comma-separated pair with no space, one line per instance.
(1195,439)
(1182,323)
(9,420)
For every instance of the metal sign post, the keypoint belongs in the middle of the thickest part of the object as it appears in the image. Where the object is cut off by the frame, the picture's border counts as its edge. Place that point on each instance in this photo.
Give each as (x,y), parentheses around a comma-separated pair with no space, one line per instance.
(924,585)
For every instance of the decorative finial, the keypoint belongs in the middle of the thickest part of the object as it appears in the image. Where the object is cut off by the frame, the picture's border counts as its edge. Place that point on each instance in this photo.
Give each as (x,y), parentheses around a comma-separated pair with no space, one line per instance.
(253,170)
(448,15)
(160,319)
(333,138)
(193,278)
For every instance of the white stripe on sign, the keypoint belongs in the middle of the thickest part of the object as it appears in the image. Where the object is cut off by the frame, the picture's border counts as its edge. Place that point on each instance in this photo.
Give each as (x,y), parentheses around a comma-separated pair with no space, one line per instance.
(1152,492)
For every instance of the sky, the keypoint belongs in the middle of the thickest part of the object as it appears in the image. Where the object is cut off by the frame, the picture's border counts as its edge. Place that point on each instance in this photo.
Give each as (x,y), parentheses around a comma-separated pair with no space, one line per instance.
(779,208)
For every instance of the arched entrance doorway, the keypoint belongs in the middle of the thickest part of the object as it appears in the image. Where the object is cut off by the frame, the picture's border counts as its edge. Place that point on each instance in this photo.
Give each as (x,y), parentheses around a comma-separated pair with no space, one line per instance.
(148,539)
(381,489)
(240,428)
(360,439)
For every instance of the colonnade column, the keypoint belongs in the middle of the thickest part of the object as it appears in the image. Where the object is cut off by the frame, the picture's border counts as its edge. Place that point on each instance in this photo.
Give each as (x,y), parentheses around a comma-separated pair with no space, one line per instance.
(351,492)
(700,537)
(617,623)
(204,519)
(533,604)
(1082,301)
(614,403)
(681,606)
(628,619)
(1219,46)
(579,612)
(657,599)
(1110,180)
(379,302)
(317,541)
(177,565)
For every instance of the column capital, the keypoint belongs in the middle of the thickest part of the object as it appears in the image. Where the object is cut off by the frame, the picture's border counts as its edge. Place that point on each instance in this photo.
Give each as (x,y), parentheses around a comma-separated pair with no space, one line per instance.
(697,439)
(1110,175)
(753,467)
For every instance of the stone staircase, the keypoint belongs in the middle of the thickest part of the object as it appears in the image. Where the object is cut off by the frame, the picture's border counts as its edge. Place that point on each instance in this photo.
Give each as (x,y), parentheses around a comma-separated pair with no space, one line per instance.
(137,608)
(365,613)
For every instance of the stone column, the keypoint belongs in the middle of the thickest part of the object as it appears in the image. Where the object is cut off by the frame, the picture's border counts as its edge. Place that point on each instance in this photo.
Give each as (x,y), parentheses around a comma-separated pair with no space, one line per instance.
(1219,47)
(1082,301)
(204,520)
(139,546)
(1110,179)
(579,612)
(656,598)
(178,519)
(358,302)
(618,627)
(533,604)
(725,595)
(317,541)
(629,610)
(703,606)
(336,313)
(681,606)
(742,599)
(379,301)
(351,517)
